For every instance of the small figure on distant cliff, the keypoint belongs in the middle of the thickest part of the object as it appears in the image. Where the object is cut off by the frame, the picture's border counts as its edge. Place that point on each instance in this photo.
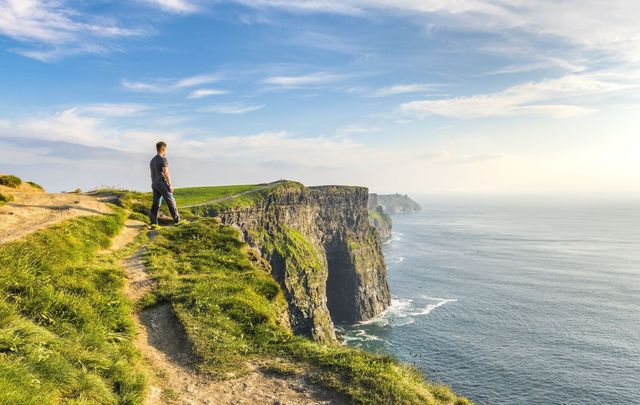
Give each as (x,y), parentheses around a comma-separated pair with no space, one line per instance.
(161,186)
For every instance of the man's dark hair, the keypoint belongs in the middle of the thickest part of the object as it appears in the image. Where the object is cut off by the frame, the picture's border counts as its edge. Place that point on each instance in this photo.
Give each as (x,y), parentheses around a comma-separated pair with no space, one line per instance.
(160,145)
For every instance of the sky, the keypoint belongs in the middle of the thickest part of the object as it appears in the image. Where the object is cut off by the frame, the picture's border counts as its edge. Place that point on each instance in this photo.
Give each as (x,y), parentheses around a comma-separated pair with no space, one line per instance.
(411,96)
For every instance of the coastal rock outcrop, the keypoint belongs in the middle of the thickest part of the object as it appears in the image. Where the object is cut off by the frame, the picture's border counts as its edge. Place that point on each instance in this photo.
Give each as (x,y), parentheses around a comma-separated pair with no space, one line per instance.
(323,251)
(397,203)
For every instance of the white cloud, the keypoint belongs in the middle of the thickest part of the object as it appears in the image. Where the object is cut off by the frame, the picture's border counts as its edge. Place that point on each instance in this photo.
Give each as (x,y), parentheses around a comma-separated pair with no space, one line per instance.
(403,89)
(205,93)
(313,79)
(328,42)
(231,108)
(534,97)
(141,86)
(543,63)
(167,85)
(76,125)
(195,81)
(113,110)
(51,29)
(176,6)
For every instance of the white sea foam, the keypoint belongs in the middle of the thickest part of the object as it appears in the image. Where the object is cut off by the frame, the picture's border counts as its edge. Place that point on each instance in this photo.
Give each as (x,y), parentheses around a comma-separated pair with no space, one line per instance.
(430,307)
(360,335)
(397,259)
(402,311)
(395,236)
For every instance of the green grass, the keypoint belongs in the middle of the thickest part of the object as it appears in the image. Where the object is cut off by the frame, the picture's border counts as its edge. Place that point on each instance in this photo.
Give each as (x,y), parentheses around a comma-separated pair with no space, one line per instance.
(10,181)
(231,309)
(197,195)
(247,200)
(5,198)
(292,247)
(65,327)
(227,305)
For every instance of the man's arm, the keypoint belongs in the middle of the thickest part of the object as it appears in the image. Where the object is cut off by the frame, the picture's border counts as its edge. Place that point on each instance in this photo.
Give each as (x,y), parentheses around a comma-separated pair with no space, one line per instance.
(165,171)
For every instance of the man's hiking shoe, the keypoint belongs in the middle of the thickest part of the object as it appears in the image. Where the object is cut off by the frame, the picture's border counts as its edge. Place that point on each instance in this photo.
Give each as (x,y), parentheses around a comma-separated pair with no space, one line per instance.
(181,222)
(154,227)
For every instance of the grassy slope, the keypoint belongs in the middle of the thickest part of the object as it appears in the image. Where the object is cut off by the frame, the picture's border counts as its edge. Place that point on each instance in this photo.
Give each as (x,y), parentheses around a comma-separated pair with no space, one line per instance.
(197,195)
(243,200)
(65,327)
(230,307)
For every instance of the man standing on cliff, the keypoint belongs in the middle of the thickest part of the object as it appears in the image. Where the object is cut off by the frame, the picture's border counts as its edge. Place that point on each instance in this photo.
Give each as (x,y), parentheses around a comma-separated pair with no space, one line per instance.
(161,186)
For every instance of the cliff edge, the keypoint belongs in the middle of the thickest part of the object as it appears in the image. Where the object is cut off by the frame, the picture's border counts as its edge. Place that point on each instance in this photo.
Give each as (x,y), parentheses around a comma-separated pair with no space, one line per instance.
(321,249)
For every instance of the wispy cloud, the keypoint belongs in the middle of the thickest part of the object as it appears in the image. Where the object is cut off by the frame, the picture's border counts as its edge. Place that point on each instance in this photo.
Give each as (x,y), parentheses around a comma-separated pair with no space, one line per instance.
(51,29)
(206,92)
(195,81)
(176,6)
(167,85)
(543,63)
(113,110)
(606,26)
(141,86)
(404,89)
(231,108)
(327,42)
(313,79)
(547,97)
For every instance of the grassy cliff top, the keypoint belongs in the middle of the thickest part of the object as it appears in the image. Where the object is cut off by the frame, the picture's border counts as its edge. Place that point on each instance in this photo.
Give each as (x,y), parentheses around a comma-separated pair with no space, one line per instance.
(197,199)
(199,195)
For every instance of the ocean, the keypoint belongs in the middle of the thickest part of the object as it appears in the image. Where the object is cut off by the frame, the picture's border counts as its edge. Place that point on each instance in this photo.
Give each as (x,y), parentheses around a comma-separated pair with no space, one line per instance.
(516,301)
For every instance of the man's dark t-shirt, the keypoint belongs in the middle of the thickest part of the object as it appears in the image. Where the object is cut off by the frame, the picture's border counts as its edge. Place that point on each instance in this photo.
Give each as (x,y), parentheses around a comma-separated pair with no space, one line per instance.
(158,163)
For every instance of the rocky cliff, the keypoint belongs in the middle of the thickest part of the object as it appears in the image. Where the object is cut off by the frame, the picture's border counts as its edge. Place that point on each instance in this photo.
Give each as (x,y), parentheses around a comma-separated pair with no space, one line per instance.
(322,250)
(397,203)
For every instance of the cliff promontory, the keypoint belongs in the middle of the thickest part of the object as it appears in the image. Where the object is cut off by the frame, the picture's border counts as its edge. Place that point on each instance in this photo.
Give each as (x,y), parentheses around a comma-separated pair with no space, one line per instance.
(397,203)
(321,248)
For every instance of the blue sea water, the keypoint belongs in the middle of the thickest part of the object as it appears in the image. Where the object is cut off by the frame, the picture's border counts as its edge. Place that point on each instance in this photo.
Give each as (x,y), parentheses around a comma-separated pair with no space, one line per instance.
(516,302)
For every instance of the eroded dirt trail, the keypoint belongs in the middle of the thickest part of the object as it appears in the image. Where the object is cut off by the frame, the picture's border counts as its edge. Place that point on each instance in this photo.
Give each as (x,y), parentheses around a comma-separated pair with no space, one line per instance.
(162,341)
(32,211)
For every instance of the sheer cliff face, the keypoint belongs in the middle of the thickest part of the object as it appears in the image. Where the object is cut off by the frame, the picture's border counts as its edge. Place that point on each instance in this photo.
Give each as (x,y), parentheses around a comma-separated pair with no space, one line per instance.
(322,250)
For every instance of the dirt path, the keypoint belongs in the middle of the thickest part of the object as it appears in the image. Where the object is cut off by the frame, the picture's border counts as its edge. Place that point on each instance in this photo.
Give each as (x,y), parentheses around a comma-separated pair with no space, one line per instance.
(231,197)
(130,231)
(164,346)
(32,210)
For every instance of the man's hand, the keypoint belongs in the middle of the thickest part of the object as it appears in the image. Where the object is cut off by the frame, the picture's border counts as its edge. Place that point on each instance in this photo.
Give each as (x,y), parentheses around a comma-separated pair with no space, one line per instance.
(171,189)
